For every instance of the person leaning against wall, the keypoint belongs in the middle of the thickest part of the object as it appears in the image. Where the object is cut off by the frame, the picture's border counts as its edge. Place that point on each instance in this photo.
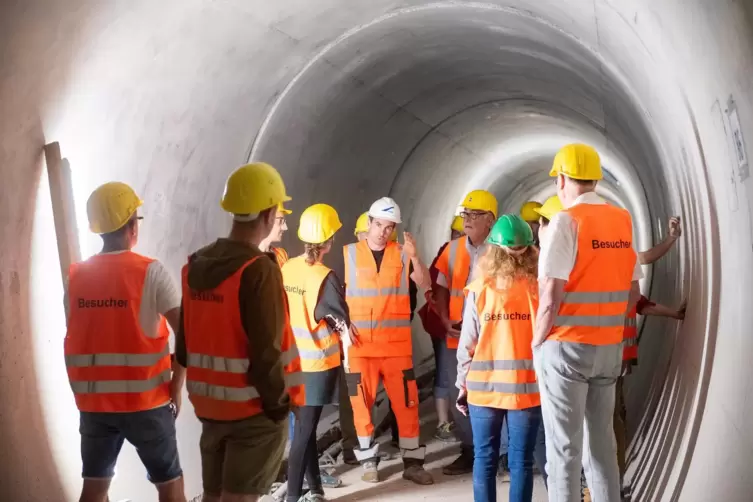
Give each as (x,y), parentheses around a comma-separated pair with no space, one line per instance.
(496,378)
(588,280)
(117,353)
(237,343)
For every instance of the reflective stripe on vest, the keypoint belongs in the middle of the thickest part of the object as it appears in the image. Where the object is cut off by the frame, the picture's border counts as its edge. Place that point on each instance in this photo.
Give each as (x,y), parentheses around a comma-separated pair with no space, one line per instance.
(458,273)
(121,386)
(598,289)
(126,370)
(130,360)
(379,302)
(217,346)
(501,374)
(318,345)
(630,338)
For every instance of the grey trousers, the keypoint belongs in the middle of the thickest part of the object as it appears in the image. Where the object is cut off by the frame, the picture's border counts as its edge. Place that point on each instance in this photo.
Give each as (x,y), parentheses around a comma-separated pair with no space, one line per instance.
(577,385)
(462,423)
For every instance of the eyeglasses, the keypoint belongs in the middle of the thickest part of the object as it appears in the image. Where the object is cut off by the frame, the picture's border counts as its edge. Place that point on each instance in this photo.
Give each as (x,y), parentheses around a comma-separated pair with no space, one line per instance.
(473,216)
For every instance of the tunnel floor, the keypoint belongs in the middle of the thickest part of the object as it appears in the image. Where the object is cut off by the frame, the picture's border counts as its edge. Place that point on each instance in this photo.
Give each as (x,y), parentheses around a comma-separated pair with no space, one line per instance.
(394,488)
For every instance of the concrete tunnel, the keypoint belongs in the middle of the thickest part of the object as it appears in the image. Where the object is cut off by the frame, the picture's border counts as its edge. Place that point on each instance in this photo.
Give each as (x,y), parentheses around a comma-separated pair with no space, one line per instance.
(416,99)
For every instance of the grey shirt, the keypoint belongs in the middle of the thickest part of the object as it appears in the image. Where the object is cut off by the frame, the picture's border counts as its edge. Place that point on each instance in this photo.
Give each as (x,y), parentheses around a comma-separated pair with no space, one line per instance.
(469,335)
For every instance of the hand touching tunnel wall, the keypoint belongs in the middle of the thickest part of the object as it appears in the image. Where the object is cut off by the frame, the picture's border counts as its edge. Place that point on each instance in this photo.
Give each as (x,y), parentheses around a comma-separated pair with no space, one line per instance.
(419,100)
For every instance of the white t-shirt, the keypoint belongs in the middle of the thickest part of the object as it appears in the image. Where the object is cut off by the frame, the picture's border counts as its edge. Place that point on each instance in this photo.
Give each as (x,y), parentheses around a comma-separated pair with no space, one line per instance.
(560,246)
(160,295)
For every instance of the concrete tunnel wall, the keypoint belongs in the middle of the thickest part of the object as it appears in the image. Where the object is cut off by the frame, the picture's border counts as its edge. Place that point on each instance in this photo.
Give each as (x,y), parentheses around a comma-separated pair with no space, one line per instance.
(420,100)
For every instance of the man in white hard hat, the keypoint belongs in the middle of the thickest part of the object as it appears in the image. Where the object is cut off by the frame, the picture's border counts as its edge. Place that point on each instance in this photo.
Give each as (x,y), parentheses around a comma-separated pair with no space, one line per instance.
(382,279)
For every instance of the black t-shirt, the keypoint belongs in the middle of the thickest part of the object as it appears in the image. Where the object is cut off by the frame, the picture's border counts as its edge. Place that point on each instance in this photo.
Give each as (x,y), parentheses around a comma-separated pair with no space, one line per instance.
(412,287)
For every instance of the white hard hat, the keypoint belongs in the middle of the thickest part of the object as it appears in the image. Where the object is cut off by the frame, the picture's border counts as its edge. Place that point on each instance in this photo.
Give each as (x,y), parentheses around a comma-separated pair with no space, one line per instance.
(385,209)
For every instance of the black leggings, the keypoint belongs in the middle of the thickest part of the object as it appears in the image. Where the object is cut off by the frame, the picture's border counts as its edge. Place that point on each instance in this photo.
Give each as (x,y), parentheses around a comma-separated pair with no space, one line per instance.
(304,457)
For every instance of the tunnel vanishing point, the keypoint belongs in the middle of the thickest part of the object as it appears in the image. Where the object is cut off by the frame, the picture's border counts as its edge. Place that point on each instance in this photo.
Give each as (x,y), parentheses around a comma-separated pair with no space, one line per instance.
(355,99)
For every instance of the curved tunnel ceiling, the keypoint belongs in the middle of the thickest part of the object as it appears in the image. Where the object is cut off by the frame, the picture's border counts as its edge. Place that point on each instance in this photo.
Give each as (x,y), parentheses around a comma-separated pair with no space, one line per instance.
(420,100)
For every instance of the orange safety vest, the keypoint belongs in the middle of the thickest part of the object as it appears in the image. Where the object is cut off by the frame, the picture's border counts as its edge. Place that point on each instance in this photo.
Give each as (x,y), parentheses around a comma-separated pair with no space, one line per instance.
(379,303)
(455,264)
(501,373)
(113,366)
(630,337)
(218,361)
(318,346)
(281,256)
(596,295)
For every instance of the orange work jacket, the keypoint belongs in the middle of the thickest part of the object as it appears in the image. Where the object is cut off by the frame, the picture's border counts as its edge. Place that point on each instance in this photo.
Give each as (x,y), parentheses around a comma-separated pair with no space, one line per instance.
(217,349)
(113,366)
(501,373)
(281,256)
(596,295)
(455,264)
(630,337)
(379,303)
(318,345)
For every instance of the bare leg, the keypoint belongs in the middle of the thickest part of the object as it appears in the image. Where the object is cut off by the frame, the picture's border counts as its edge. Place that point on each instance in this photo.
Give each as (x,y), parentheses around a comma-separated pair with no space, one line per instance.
(95,490)
(172,491)
(443,410)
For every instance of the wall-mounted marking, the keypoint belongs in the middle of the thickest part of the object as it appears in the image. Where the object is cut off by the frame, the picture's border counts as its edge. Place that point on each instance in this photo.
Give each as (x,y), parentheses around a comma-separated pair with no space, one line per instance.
(738,141)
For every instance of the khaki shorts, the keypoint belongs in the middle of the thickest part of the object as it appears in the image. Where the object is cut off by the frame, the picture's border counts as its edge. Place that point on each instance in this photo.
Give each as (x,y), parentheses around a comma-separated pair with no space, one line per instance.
(242,457)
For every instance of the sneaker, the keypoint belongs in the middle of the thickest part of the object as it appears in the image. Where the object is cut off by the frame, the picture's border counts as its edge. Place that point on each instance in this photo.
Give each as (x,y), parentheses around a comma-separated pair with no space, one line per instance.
(418,475)
(462,465)
(349,458)
(312,497)
(370,472)
(444,433)
(503,469)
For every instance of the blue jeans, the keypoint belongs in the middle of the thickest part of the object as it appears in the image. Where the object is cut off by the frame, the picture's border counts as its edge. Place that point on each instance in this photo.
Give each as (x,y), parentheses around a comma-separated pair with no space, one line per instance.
(523,426)
(539,454)
(441,378)
(151,432)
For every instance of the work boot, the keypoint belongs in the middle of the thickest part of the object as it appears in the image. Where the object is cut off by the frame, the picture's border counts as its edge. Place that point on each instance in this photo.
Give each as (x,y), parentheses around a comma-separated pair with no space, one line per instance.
(444,433)
(349,458)
(414,471)
(370,472)
(312,497)
(462,465)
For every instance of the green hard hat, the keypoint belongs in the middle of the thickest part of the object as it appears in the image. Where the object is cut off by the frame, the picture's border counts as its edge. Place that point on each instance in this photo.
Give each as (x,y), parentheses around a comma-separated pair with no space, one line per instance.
(510,230)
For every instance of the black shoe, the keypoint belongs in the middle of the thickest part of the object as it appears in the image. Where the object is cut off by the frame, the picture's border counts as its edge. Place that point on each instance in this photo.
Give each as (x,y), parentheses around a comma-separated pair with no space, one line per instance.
(462,465)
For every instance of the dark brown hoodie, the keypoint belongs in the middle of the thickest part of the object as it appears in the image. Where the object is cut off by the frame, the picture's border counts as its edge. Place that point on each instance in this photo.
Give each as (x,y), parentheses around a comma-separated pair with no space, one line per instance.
(262,314)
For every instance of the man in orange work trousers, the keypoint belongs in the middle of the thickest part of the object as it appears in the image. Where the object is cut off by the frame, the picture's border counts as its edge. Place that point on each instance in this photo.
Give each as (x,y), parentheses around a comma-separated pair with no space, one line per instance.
(588,280)
(117,353)
(236,341)
(381,287)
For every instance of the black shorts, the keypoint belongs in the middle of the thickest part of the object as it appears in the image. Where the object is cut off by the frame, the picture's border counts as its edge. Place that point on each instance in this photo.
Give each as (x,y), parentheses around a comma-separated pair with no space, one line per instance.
(151,432)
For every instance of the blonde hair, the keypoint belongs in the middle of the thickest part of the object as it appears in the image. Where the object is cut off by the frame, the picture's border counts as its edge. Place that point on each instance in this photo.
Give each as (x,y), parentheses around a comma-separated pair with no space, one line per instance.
(313,251)
(498,264)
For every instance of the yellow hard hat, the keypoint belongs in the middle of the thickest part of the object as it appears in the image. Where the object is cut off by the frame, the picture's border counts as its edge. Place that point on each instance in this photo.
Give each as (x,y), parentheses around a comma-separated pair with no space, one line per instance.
(551,206)
(528,211)
(318,224)
(457,224)
(362,224)
(253,188)
(480,200)
(282,209)
(111,206)
(577,161)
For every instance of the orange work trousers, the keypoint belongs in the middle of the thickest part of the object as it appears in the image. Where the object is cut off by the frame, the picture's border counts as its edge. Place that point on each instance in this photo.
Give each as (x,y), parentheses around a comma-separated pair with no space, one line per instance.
(400,384)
